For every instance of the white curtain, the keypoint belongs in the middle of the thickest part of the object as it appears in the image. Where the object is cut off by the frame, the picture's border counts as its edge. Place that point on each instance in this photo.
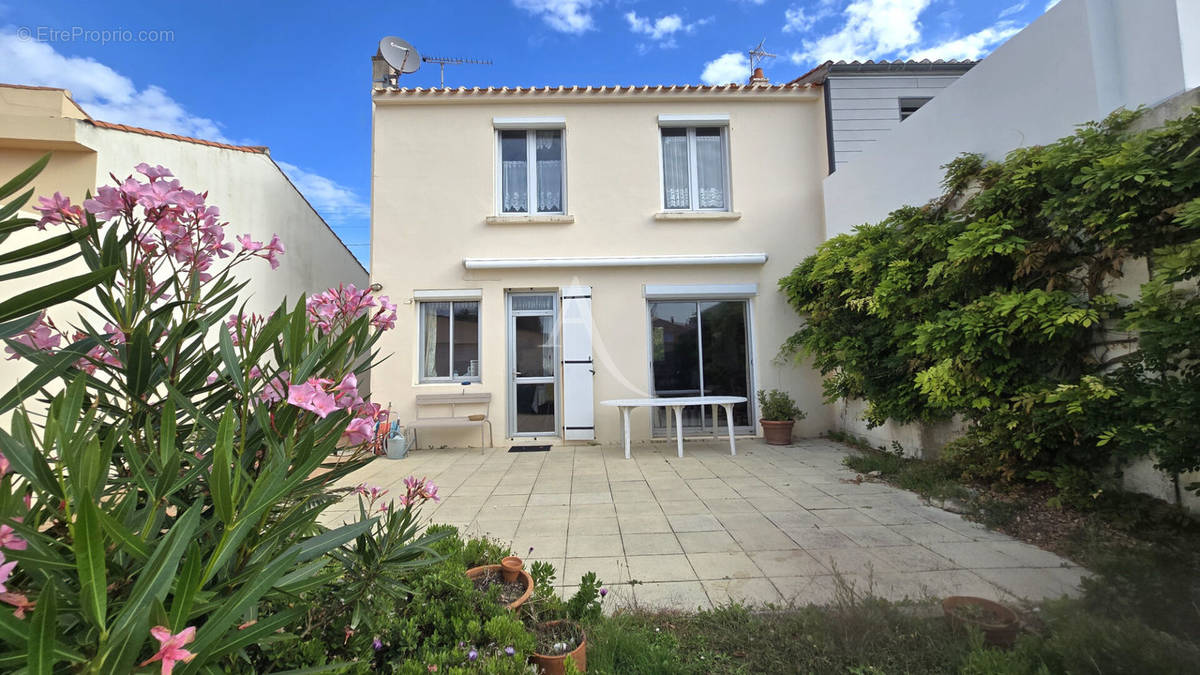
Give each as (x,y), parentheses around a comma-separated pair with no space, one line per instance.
(431,311)
(516,193)
(548,148)
(710,171)
(675,171)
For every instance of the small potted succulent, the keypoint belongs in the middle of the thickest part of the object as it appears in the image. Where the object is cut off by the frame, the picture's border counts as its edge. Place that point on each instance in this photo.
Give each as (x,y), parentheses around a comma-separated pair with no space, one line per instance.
(779,414)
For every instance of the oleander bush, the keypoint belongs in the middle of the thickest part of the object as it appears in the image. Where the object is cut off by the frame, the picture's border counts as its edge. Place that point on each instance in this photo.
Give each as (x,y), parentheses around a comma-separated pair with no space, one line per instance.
(997,302)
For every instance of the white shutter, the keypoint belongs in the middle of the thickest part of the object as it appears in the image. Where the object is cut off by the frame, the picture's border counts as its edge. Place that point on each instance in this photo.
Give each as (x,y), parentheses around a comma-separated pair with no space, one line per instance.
(579,419)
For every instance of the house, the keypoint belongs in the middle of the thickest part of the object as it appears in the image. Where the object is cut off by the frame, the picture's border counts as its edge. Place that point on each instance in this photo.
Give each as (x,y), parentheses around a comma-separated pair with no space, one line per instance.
(866,100)
(251,190)
(558,246)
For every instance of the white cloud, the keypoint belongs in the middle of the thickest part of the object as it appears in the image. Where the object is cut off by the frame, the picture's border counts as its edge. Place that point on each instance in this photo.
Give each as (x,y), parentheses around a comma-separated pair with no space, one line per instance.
(729,67)
(872,28)
(1013,9)
(1050,4)
(566,16)
(663,29)
(337,203)
(103,92)
(974,46)
(796,20)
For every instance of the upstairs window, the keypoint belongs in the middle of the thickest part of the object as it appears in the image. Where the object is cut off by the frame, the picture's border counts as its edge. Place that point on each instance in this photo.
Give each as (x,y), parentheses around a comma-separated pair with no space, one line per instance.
(911,104)
(531,172)
(695,163)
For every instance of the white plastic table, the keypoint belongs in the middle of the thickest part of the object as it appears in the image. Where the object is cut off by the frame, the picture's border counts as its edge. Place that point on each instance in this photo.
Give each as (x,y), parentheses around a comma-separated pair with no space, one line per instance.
(677,405)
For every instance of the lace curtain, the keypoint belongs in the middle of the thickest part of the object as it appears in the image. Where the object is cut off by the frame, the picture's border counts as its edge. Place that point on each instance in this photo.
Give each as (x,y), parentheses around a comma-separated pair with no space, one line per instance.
(710,170)
(675,169)
(436,322)
(548,146)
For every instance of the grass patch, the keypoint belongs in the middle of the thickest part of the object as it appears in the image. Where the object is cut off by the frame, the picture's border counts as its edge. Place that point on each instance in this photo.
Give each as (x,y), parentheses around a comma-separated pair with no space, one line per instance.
(933,480)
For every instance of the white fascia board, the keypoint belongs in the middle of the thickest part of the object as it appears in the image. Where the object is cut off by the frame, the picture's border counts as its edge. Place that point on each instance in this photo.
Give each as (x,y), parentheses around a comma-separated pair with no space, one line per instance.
(558,122)
(690,120)
(699,291)
(454,294)
(617,261)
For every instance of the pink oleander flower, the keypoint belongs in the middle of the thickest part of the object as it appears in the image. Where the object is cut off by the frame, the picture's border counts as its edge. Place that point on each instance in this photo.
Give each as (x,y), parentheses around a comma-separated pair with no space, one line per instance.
(385,318)
(337,307)
(212,377)
(371,492)
(4,467)
(42,335)
(19,601)
(171,649)
(312,396)
(10,539)
(153,172)
(419,489)
(56,209)
(359,431)
(6,570)
(276,389)
(244,327)
(108,203)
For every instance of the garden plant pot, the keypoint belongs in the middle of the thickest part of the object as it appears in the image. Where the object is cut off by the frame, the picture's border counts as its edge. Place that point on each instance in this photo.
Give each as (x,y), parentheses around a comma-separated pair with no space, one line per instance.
(999,624)
(476,572)
(777,433)
(511,568)
(556,664)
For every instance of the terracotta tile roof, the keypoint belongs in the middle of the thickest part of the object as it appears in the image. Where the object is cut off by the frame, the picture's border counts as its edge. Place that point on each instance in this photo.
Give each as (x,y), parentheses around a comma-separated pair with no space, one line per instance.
(610,90)
(258,149)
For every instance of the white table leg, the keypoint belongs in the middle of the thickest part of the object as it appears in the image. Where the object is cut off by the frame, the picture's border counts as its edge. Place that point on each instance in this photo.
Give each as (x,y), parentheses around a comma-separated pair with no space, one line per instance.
(678,427)
(625,415)
(716,423)
(729,424)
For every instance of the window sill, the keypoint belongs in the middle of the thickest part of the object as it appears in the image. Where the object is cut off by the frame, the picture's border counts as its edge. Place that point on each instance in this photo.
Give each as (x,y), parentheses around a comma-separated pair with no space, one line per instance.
(698,215)
(545,219)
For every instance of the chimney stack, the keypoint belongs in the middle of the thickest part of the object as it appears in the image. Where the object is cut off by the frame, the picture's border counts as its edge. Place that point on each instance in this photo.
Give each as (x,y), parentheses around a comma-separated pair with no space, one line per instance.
(759,78)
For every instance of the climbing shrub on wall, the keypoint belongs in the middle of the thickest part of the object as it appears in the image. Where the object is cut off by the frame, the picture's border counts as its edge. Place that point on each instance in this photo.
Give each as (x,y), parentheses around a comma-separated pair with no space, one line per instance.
(996,302)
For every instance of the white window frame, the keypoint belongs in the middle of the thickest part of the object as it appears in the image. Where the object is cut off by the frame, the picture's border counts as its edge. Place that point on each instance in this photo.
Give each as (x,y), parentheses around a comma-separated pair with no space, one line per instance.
(530,126)
(457,298)
(691,123)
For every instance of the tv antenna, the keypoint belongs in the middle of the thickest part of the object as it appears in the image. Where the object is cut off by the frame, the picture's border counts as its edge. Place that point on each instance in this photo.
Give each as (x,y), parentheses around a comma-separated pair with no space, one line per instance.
(442,61)
(399,57)
(758,54)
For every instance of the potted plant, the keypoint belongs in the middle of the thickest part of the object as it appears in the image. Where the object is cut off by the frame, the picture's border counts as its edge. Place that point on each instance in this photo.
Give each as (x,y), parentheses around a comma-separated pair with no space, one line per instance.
(779,414)
(999,624)
(512,593)
(511,567)
(557,626)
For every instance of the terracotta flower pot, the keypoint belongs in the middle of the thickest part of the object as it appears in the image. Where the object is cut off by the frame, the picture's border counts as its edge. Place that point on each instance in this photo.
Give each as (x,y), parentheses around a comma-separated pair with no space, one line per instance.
(511,567)
(999,624)
(557,664)
(476,572)
(777,433)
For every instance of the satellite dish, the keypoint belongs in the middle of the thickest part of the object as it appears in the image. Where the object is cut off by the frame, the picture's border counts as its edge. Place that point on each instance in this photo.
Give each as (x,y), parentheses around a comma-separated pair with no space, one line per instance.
(400,55)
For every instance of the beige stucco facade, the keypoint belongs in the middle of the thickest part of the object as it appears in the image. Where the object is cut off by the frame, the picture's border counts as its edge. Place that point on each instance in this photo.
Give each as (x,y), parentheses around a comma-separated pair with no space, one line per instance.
(435,228)
(252,192)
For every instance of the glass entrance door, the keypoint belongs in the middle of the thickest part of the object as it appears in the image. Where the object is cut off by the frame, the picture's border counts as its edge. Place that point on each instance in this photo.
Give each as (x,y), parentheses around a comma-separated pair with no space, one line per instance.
(533,363)
(699,348)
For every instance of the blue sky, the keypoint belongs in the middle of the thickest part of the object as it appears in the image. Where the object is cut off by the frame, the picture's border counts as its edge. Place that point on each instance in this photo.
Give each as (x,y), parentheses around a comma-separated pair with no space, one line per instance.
(296,76)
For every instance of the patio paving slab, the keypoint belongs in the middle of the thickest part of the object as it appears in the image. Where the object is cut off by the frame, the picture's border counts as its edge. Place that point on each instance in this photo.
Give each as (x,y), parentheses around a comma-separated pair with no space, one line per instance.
(767,526)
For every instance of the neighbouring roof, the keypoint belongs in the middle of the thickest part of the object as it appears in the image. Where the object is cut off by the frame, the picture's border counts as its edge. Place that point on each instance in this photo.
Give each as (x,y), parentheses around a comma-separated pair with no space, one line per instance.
(258,149)
(818,75)
(433,92)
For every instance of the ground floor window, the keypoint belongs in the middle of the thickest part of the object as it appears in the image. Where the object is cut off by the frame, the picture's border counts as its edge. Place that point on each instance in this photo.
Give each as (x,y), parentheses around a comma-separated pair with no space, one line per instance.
(449,341)
(700,348)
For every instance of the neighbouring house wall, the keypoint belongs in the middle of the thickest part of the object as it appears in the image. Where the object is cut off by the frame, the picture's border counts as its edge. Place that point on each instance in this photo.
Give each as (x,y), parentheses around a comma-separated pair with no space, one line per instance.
(434,186)
(923,441)
(255,197)
(865,108)
(252,193)
(1078,62)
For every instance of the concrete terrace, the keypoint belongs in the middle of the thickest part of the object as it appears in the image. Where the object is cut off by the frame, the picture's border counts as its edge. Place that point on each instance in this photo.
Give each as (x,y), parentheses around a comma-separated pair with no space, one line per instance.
(769,525)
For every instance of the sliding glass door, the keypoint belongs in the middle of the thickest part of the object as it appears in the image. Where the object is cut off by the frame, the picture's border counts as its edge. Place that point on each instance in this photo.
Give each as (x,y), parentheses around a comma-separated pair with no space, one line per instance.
(700,348)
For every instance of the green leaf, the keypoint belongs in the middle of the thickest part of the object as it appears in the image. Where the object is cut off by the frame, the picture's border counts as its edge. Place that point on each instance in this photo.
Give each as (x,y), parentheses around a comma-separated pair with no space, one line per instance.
(89,561)
(25,177)
(44,246)
(53,293)
(47,369)
(232,364)
(220,481)
(29,462)
(187,586)
(43,629)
